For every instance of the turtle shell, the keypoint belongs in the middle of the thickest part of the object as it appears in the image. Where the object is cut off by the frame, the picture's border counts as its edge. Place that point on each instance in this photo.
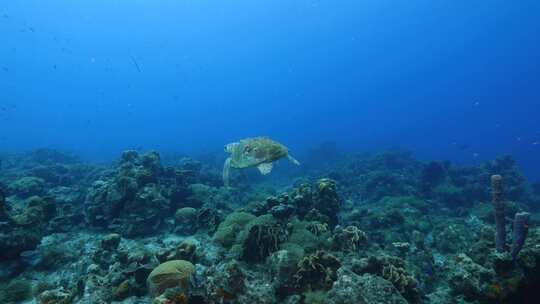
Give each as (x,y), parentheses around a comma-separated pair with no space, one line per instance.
(251,152)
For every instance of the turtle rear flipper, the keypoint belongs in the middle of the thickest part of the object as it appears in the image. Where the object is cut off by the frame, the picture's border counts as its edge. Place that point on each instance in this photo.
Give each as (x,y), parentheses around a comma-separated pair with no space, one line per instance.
(226,171)
(293,160)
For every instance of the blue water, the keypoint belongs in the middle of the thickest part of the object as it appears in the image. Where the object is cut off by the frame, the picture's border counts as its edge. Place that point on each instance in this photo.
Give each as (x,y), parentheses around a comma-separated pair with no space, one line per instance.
(455,80)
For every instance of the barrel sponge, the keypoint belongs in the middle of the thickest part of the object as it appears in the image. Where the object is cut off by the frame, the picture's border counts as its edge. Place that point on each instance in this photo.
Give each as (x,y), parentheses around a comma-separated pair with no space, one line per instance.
(175,273)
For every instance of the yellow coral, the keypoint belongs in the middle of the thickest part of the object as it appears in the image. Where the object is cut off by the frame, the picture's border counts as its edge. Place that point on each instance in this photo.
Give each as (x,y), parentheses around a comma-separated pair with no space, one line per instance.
(495,291)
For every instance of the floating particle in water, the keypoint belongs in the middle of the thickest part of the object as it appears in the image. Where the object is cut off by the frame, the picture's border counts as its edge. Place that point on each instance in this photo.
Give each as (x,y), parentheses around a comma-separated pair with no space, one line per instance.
(475,155)
(463,146)
(93,60)
(535,143)
(9,107)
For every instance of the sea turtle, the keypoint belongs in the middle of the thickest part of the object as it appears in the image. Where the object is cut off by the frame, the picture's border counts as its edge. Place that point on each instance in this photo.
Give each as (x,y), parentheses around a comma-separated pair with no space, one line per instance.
(258,152)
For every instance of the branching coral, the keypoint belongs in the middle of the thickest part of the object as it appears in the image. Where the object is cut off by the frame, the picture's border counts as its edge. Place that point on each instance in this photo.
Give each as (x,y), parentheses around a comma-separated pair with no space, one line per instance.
(394,270)
(317,228)
(349,238)
(224,282)
(261,241)
(317,271)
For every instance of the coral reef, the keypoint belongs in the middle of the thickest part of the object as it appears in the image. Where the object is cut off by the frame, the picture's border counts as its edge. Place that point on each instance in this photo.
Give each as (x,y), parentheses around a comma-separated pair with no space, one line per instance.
(368,289)
(15,292)
(185,220)
(382,228)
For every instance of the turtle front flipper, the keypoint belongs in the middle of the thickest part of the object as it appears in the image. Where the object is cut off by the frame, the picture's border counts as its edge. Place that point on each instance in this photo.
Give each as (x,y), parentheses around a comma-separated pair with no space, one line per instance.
(265,168)
(293,160)
(226,171)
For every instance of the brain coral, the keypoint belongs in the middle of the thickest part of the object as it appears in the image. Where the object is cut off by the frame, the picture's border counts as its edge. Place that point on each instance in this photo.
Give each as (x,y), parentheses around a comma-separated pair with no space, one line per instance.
(176,273)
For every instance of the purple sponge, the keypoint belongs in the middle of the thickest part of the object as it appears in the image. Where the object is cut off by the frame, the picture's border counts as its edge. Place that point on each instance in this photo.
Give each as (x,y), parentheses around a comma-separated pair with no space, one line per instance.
(498,205)
(521,227)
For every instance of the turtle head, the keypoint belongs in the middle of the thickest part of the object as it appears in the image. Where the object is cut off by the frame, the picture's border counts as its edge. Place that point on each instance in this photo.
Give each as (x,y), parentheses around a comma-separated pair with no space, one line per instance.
(229,148)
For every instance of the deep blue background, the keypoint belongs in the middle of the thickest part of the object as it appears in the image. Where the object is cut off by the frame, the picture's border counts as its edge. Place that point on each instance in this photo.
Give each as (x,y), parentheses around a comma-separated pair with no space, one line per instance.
(452,80)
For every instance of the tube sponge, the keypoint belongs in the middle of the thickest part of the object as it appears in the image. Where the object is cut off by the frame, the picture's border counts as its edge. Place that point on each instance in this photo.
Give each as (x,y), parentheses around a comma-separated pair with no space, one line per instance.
(498,205)
(521,227)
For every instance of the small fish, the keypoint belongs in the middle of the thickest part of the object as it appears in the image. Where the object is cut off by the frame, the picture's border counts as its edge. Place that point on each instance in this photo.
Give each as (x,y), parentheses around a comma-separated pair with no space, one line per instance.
(136,63)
